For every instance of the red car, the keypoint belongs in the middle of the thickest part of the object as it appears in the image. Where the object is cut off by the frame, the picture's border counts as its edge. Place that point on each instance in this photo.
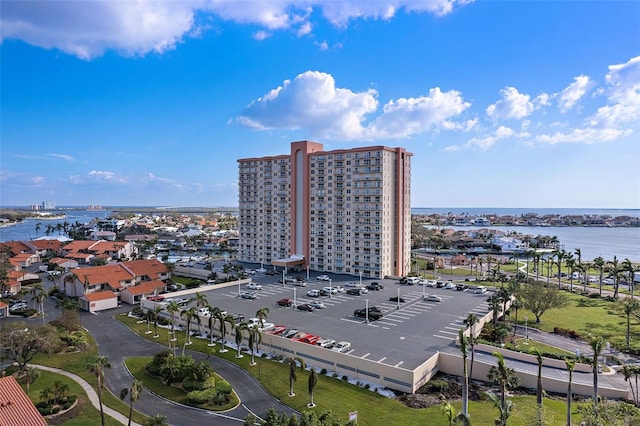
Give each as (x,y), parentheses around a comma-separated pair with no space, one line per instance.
(276,329)
(155,298)
(285,302)
(310,339)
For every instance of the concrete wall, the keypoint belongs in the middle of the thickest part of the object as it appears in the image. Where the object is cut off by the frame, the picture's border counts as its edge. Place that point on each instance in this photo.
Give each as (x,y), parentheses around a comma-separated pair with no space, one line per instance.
(532,359)
(452,364)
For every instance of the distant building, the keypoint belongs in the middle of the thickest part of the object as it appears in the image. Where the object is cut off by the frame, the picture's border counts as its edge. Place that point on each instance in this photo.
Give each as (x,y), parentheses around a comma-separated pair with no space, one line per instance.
(48,205)
(342,211)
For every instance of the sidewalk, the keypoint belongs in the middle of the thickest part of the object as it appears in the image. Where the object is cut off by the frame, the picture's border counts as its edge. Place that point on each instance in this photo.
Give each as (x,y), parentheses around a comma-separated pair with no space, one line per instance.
(91,394)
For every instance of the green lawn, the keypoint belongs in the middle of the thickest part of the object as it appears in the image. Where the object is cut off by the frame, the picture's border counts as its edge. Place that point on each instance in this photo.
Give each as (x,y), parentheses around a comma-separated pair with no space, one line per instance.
(585,316)
(342,398)
(76,362)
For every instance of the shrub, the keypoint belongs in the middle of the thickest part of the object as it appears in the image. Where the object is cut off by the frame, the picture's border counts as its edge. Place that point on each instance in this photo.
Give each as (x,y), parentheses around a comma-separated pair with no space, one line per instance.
(345,378)
(566,332)
(200,397)
(55,409)
(323,371)
(223,387)
(191,385)
(438,386)
(137,311)
(45,411)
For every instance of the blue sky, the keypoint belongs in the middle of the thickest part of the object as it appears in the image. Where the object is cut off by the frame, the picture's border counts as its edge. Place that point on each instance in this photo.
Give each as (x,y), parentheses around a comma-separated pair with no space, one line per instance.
(502,103)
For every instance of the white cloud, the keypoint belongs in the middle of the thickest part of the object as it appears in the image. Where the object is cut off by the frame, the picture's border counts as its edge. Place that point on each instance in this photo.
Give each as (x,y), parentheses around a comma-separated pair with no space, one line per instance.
(587,136)
(63,157)
(573,92)
(87,29)
(486,142)
(512,105)
(312,102)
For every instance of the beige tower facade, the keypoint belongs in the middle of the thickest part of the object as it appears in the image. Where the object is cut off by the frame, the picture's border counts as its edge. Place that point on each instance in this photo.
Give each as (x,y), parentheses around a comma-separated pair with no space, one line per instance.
(341,211)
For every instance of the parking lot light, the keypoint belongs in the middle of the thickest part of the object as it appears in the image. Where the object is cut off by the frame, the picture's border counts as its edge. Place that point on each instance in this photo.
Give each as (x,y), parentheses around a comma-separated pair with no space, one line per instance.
(239,289)
(283,273)
(366,309)
(360,278)
(330,288)
(398,306)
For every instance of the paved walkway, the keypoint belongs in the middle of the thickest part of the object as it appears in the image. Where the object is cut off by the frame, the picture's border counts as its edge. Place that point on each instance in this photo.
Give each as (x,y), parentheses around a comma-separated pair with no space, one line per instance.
(91,394)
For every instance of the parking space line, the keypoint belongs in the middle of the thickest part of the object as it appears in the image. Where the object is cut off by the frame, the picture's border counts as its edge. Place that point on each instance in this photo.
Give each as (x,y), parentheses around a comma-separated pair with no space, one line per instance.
(387,323)
(442,337)
(447,332)
(452,328)
(350,320)
(365,355)
(399,364)
(393,319)
(382,359)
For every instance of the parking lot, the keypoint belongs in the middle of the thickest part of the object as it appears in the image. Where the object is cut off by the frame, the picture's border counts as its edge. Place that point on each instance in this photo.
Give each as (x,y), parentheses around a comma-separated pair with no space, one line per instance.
(407,334)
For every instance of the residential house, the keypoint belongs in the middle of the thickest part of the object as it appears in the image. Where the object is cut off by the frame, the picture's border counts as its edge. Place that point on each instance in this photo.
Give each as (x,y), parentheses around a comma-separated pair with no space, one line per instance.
(4,310)
(64,263)
(132,295)
(113,277)
(15,247)
(80,258)
(98,301)
(16,409)
(46,248)
(148,270)
(103,235)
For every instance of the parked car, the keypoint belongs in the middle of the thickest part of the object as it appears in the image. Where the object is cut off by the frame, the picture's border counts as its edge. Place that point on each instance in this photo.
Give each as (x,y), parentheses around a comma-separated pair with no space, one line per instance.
(285,302)
(412,280)
(287,280)
(440,284)
(329,290)
(432,298)
(289,333)
(396,299)
(313,293)
(300,283)
(375,313)
(374,286)
(323,278)
(461,287)
(204,312)
(310,339)
(18,306)
(262,325)
(277,329)
(306,307)
(237,317)
(449,286)
(351,284)
(248,295)
(326,343)
(432,283)
(480,290)
(299,335)
(317,304)
(254,286)
(155,298)
(341,346)
(354,291)
(271,272)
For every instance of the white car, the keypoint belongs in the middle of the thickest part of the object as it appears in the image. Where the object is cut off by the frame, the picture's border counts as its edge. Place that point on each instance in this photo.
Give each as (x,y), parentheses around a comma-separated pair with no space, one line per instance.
(204,312)
(332,290)
(432,283)
(254,286)
(323,278)
(449,286)
(341,347)
(261,270)
(326,343)
(352,284)
(249,271)
(313,293)
(255,322)
(300,284)
(317,304)
(432,298)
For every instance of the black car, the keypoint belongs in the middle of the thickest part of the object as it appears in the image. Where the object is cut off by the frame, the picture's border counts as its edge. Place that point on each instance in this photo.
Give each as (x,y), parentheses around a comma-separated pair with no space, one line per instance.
(375,313)
(396,299)
(306,307)
(375,286)
(440,284)
(271,272)
(354,291)
(460,287)
(403,280)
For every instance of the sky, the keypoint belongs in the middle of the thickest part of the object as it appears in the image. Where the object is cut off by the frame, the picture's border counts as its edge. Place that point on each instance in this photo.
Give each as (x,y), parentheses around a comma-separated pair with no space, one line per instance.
(151,103)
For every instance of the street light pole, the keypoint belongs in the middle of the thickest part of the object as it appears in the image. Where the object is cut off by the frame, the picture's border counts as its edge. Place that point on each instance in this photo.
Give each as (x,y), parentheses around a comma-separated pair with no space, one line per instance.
(360,278)
(283,273)
(295,305)
(398,306)
(307,272)
(330,288)
(526,327)
(366,310)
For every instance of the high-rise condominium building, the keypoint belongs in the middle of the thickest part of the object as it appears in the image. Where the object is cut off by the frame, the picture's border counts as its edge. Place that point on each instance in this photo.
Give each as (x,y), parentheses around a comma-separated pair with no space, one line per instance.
(344,211)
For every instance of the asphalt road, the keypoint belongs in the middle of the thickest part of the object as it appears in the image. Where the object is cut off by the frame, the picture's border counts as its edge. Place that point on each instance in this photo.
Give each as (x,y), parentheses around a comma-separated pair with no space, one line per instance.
(117,343)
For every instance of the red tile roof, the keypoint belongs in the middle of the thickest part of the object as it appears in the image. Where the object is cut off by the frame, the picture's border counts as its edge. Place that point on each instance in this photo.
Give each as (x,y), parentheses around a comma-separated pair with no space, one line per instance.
(146,287)
(150,268)
(15,247)
(78,245)
(100,295)
(112,275)
(47,244)
(16,409)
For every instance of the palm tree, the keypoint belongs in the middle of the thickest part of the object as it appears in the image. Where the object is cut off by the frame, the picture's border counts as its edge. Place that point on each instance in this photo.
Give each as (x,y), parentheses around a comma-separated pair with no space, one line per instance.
(516,305)
(96,367)
(495,304)
(471,321)
(293,364)
(540,359)
(506,378)
(560,255)
(213,314)
(628,371)
(261,314)
(465,378)
(599,263)
(134,393)
(70,279)
(504,409)
(614,269)
(571,266)
(173,307)
(155,316)
(30,375)
(239,337)
(39,296)
(449,410)
(630,306)
(190,313)
(70,312)
(627,266)
(38,227)
(570,363)
(596,343)
(313,381)
(224,318)
(255,338)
